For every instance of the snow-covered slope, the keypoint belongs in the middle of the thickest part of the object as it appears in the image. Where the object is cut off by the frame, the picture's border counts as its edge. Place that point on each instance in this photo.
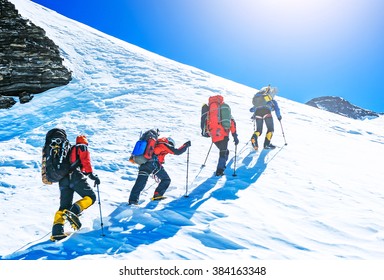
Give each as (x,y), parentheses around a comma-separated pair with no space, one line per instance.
(319,197)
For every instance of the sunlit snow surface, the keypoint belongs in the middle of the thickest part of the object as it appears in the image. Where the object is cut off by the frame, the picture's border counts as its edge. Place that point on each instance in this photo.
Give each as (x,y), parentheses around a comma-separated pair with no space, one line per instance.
(320,196)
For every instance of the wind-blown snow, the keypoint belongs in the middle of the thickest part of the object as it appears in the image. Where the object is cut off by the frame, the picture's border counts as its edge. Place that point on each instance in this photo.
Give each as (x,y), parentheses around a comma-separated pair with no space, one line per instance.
(319,197)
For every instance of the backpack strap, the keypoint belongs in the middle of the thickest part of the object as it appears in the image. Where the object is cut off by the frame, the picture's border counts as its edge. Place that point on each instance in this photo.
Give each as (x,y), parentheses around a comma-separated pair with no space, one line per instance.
(64,151)
(77,162)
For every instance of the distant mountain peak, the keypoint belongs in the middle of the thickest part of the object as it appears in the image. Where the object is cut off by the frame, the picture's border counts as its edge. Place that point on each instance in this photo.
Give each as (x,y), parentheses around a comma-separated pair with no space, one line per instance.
(339,105)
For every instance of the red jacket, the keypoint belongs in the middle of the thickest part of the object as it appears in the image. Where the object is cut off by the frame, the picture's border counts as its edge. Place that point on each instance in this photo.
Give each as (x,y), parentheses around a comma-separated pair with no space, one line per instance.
(218,133)
(80,152)
(163,148)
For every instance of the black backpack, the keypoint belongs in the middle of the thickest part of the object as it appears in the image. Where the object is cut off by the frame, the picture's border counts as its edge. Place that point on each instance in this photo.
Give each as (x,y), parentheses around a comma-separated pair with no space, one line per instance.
(264,96)
(261,99)
(56,153)
(204,120)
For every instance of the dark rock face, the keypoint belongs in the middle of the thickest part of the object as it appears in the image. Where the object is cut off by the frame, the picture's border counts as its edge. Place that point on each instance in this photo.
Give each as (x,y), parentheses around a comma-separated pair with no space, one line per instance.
(6,102)
(342,107)
(30,62)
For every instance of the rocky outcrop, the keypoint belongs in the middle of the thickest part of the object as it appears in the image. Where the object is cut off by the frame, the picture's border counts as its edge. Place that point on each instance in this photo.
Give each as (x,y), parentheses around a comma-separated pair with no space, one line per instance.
(6,102)
(342,107)
(30,62)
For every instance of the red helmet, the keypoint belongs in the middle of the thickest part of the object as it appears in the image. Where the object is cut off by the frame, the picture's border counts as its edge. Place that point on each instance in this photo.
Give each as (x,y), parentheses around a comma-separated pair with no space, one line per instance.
(82,139)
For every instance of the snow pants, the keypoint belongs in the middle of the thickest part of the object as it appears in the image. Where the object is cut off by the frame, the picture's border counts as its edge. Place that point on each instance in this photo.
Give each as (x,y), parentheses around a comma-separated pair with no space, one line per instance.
(146,169)
(75,182)
(264,115)
(223,153)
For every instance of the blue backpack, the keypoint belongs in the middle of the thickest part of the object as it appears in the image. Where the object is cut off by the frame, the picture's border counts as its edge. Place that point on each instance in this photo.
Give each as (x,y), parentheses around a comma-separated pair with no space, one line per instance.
(144,147)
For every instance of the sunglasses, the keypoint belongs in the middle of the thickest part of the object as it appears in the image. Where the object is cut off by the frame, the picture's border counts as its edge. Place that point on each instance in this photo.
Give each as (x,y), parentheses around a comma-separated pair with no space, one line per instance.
(57,141)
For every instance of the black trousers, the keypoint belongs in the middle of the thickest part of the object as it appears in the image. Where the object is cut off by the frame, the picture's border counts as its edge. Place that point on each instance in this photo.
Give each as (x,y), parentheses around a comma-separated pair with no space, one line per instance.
(145,170)
(223,154)
(264,115)
(75,182)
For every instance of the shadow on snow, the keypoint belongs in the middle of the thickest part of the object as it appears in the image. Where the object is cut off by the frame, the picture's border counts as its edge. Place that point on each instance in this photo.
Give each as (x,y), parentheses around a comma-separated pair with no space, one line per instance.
(126,228)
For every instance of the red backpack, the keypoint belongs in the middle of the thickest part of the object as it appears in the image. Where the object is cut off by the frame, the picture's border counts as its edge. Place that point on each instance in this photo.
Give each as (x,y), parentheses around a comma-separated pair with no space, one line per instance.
(216,113)
(144,147)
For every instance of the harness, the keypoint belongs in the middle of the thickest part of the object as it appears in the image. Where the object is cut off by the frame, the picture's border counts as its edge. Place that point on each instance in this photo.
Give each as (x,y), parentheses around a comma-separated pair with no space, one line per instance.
(269,115)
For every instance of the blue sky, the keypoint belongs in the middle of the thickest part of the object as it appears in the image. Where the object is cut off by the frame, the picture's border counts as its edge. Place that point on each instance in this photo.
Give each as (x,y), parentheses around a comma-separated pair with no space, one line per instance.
(305,48)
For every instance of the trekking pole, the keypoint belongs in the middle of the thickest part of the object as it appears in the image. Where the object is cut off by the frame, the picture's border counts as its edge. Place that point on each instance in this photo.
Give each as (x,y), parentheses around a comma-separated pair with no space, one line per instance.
(282,130)
(186,183)
(207,155)
(101,216)
(234,169)
(243,148)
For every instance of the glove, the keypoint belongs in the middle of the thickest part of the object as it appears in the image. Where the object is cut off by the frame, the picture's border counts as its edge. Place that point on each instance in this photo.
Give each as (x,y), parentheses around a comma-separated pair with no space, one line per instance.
(95,178)
(187,144)
(279,118)
(235,139)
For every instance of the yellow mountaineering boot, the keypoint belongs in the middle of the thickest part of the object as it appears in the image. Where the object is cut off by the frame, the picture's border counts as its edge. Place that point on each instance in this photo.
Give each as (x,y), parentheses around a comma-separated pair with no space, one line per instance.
(58,227)
(267,141)
(81,205)
(254,137)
